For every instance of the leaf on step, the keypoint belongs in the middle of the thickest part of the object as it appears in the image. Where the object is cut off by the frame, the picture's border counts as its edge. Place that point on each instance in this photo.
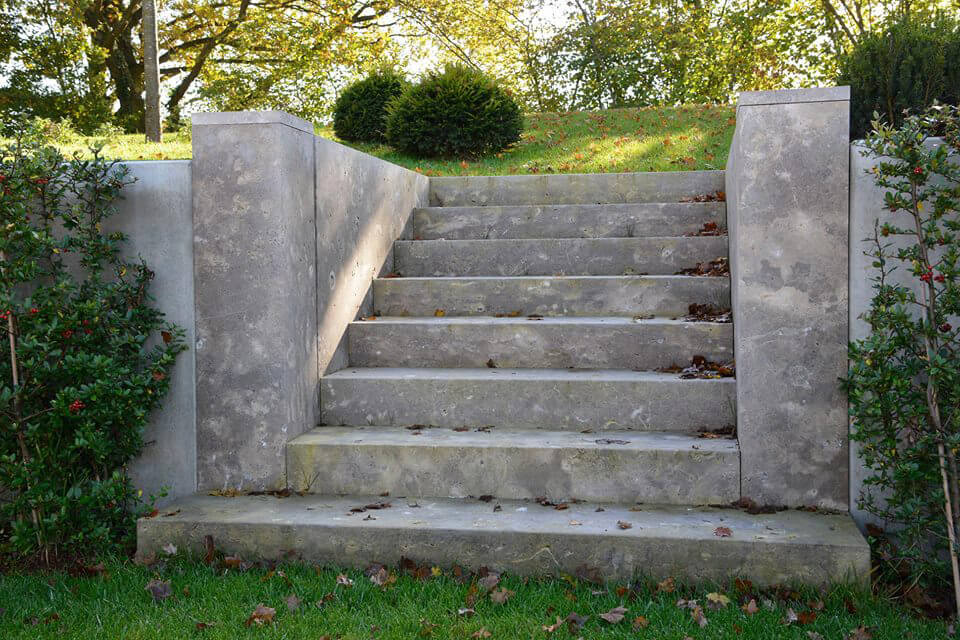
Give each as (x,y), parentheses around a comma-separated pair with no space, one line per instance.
(491,364)
(575,523)
(624,525)
(610,441)
(723,532)
(615,615)
(439,313)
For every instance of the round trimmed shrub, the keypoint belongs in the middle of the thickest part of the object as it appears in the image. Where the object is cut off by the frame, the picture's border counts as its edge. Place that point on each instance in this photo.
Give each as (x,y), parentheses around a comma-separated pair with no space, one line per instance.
(360,113)
(907,66)
(460,112)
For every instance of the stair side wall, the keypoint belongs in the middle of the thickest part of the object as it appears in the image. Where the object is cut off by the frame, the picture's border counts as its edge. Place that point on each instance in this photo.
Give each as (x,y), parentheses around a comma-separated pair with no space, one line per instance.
(787,209)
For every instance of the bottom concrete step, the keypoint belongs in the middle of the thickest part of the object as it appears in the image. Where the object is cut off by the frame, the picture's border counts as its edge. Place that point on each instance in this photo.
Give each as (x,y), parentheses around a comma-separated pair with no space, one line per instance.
(521,537)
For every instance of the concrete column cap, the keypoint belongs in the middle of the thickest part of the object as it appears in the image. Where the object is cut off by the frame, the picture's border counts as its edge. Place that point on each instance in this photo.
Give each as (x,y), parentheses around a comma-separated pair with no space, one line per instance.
(788,96)
(251,117)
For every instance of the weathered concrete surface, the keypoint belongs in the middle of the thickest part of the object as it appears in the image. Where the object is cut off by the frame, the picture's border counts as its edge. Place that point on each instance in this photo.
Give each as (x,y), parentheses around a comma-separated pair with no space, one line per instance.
(866,207)
(522,538)
(527,343)
(556,399)
(625,467)
(363,205)
(669,296)
(590,188)
(156,215)
(255,278)
(787,204)
(548,257)
(566,221)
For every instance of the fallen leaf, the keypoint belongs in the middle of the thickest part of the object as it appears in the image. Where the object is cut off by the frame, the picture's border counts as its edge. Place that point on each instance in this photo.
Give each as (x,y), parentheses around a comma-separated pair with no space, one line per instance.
(501,595)
(261,615)
(550,628)
(615,615)
(860,633)
(575,622)
(751,607)
(159,589)
(489,581)
(588,573)
(481,633)
(170,549)
(439,313)
(466,612)
(789,617)
(640,622)
(722,532)
(698,616)
(813,635)
(575,523)
(667,586)
(344,581)
(379,575)
(806,617)
(624,525)
(202,626)
(293,602)
(717,600)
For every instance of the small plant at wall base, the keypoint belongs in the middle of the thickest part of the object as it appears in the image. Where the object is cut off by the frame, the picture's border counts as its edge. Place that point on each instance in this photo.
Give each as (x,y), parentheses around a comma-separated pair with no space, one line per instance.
(84,358)
(904,379)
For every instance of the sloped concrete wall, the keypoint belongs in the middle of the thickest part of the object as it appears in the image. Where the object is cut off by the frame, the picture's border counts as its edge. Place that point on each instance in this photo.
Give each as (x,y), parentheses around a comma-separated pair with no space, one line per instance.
(157,217)
(363,205)
(787,210)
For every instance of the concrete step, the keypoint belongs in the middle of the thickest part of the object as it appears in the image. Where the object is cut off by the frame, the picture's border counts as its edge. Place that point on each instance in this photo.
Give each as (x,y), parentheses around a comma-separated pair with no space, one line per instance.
(593,188)
(668,296)
(565,256)
(566,220)
(521,538)
(558,399)
(531,343)
(626,466)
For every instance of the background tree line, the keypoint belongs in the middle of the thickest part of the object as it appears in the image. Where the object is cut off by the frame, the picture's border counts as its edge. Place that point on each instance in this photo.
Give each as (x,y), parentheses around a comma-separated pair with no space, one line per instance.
(81,60)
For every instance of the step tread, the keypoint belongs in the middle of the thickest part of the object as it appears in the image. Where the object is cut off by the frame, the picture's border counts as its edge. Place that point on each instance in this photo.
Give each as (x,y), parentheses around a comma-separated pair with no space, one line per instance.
(480,374)
(500,437)
(612,321)
(522,537)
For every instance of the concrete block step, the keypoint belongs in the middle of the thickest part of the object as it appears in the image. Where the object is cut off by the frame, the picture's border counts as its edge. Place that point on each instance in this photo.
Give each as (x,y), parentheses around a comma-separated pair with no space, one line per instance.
(669,296)
(592,188)
(522,538)
(626,466)
(566,220)
(553,257)
(534,343)
(558,399)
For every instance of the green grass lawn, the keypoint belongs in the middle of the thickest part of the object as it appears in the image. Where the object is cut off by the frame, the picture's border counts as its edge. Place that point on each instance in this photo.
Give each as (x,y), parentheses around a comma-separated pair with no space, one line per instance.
(650,139)
(116,605)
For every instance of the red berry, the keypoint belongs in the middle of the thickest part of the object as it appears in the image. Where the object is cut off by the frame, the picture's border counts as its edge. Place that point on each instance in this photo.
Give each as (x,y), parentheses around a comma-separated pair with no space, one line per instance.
(925,277)
(945,327)
(918,171)
(34,311)
(939,277)
(76,406)
(68,333)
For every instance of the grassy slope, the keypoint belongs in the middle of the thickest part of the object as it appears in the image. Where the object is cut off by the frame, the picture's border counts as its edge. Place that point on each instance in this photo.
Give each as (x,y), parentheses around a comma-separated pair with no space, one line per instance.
(117,606)
(650,139)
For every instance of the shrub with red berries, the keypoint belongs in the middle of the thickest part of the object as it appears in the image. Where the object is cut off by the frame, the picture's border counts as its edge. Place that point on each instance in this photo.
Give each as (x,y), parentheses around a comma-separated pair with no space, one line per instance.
(90,359)
(904,378)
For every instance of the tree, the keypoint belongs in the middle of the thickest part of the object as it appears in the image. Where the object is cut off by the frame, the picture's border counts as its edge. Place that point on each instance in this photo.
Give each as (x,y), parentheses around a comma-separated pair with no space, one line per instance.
(151,71)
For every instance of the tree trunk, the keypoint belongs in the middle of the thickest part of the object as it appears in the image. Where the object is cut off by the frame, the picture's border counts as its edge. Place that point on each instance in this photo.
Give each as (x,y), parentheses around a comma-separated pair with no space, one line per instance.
(151,72)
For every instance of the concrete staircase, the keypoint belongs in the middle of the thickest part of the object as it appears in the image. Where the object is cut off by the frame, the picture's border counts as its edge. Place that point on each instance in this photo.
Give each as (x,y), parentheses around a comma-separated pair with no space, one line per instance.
(515,400)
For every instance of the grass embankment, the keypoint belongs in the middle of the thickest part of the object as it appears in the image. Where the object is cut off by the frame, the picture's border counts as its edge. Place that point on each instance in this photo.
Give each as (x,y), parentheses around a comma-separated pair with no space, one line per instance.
(205,602)
(650,139)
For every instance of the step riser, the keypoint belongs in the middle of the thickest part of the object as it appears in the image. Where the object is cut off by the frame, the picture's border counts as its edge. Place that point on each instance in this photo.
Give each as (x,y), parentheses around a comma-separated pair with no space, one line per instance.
(599,188)
(662,477)
(785,548)
(581,256)
(566,221)
(671,405)
(613,296)
(537,344)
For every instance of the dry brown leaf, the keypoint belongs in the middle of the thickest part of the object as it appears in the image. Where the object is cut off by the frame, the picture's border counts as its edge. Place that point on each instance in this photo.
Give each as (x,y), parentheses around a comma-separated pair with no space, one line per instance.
(159,589)
(261,615)
(751,607)
(501,595)
(615,615)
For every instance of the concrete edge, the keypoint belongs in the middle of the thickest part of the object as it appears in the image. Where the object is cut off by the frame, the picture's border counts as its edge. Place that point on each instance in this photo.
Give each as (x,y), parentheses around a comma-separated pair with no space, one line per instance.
(561,176)
(251,117)
(787,96)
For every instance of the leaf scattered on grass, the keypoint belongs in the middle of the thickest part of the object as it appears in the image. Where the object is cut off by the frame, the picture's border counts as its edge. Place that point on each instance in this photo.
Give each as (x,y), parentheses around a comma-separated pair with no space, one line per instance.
(379,575)
(481,633)
(261,615)
(615,615)
(640,622)
(860,633)
(466,612)
(717,600)
(210,552)
(293,602)
(588,573)
(667,586)
(489,581)
(751,607)
(159,589)
(203,626)
(501,595)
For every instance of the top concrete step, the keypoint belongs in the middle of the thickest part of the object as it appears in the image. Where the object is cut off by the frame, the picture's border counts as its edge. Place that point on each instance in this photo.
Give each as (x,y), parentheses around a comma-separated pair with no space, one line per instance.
(521,537)
(590,188)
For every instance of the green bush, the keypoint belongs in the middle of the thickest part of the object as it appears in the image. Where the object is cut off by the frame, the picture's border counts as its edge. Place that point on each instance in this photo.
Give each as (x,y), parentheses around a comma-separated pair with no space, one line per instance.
(84,358)
(909,65)
(904,378)
(459,112)
(360,113)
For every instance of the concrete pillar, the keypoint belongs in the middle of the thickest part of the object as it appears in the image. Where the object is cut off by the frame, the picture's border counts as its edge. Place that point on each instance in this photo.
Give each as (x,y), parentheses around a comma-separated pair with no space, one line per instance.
(255,290)
(787,206)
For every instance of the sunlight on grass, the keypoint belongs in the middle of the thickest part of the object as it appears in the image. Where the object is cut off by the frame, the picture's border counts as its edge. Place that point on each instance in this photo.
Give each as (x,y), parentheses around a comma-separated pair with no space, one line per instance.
(686,138)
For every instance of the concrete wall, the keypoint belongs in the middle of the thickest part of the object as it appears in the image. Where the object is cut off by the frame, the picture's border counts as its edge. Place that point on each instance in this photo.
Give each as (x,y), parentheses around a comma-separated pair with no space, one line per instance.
(787,203)
(363,205)
(156,216)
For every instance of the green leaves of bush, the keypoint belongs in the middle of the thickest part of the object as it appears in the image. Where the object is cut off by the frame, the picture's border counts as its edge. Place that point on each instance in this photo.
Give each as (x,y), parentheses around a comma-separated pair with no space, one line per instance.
(457,113)
(84,358)
(360,113)
(909,65)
